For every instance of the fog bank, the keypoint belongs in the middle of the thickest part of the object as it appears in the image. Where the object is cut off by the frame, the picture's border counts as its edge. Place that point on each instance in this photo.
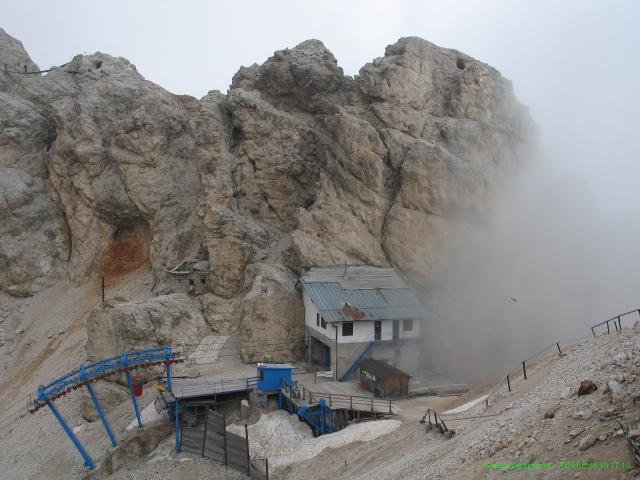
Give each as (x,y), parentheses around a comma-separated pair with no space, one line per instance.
(544,265)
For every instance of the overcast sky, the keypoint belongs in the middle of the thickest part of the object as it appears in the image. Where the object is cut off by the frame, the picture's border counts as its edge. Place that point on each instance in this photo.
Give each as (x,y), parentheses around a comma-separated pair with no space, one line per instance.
(574,63)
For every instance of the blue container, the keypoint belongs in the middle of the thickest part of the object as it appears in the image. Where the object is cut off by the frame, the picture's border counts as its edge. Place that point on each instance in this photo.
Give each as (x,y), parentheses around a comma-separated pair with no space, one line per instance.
(270,376)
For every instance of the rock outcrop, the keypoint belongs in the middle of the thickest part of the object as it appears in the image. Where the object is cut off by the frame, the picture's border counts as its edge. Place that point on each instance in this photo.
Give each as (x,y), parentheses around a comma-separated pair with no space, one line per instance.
(296,166)
(174,319)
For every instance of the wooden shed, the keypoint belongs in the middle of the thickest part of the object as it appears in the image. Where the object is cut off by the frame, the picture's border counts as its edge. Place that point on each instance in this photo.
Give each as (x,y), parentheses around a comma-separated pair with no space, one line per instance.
(383,379)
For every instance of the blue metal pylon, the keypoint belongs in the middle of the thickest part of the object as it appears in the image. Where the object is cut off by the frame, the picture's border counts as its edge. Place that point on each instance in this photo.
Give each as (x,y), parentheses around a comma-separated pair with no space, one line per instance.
(103,417)
(178,433)
(47,394)
(87,459)
(167,353)
(133,399)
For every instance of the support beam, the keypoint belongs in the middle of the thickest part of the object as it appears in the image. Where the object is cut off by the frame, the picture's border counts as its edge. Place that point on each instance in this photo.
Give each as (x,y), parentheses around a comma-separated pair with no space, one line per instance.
(167,354)
(87,459)
(336,373)
(103,417)
(178,433)
(168,375)
(246,436)
(133,399)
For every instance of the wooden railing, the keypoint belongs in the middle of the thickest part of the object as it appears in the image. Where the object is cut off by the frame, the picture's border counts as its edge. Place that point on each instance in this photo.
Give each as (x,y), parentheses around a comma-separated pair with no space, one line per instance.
(352,402)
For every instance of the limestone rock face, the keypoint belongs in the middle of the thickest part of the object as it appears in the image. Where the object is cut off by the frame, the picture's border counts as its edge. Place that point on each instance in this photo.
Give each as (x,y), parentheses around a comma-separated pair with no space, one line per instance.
(174,319)
(270,327)
(296,166)
(34,242)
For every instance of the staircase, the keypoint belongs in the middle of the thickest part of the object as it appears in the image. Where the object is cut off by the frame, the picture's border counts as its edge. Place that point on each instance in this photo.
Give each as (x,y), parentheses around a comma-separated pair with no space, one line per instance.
(352,369)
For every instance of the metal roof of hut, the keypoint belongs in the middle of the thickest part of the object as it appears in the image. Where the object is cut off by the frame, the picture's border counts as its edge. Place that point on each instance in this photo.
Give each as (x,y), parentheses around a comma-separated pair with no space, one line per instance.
(346,294)
(381,370)
(188,267)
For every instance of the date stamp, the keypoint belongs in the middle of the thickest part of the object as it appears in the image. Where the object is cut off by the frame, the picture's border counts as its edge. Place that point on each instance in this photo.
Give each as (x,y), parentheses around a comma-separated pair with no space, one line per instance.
(562,465)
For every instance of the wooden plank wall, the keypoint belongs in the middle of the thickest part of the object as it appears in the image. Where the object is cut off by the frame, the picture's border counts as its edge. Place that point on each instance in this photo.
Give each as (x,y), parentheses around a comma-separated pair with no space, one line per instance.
(204,433)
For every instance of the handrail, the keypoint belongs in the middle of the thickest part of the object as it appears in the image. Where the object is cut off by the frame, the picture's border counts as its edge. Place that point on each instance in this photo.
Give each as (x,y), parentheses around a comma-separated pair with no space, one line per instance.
(523,365)
(371,339)
(356,354)
(618,325)
(371,402)
(357,359)
(617,322)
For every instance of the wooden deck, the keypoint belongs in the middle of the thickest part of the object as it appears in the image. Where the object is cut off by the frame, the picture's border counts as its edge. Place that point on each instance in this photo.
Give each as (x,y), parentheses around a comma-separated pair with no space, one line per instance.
(184,389)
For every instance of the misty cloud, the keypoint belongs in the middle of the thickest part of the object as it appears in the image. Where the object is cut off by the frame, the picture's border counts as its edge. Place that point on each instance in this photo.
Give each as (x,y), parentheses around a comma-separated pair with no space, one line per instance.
(543,265)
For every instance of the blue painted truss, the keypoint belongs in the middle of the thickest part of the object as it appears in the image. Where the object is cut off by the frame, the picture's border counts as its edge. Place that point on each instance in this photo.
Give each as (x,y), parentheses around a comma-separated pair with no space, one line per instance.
(86,375)
(124,362)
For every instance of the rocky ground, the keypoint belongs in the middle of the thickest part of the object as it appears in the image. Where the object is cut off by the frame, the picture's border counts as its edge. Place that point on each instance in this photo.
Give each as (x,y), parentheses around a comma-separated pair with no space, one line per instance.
(512,430)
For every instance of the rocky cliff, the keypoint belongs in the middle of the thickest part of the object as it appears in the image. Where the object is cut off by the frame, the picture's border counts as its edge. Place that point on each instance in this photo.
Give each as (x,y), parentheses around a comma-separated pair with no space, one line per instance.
(296,166)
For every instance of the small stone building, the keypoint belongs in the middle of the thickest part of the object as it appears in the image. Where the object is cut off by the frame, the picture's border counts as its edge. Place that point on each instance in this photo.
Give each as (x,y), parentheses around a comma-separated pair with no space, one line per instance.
(383,380)
(193,276)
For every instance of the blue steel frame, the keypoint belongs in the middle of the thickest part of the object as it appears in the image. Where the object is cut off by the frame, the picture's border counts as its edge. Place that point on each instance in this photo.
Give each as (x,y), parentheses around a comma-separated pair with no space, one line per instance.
(133,399)
(87,459)
(315,416)
(103,417)
(125,362)
(178,431)
(108,366)
(317,419)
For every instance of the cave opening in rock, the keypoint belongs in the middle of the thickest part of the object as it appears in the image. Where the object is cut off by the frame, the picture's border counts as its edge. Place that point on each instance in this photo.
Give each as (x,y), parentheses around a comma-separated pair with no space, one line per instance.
(460,63)
(128,249)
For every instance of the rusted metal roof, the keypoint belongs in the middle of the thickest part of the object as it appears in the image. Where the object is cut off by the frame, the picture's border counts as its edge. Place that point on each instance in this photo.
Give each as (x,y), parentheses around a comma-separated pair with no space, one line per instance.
(365,293)
(190,267)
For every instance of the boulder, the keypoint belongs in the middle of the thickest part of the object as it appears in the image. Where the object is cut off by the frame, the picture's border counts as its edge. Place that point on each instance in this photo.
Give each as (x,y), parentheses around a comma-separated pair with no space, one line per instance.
(575,433)
(582,415)
(587,441)
(551,412)
(586,387)
(619,359)
(137,444)
(174,320)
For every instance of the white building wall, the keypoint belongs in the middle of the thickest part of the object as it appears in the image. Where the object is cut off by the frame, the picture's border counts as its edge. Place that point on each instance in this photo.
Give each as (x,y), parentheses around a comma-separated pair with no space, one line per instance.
(415,333)
(310,312)
(363,331)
